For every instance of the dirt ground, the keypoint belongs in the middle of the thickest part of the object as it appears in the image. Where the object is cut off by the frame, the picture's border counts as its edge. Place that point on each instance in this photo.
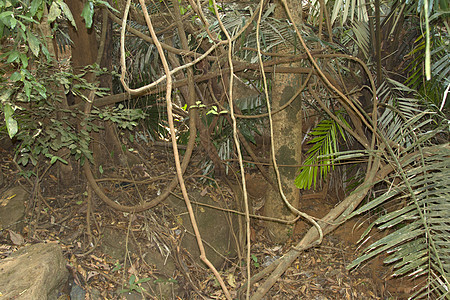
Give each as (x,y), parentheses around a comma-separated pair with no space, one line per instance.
(319,273)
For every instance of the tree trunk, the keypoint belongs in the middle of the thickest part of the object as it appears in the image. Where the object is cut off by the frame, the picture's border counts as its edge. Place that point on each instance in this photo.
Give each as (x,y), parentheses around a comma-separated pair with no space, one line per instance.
(85,45)
(287,137)
(85,49)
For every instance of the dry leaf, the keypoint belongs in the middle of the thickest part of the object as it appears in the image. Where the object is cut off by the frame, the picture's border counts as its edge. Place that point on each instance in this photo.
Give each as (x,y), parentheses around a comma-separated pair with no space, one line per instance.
(231,280)
(53,178)
(16,238)
(91,274)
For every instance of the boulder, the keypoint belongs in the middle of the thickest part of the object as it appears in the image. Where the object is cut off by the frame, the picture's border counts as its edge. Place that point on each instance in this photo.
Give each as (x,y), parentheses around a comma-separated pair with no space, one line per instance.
(12,208)
(214,226)
(33,272)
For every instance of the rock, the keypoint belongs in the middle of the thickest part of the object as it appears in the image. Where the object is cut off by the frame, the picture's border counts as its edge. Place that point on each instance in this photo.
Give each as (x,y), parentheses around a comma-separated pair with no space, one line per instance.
(215,230)
(77,292)
(12,208)
(33,272)
(114,244)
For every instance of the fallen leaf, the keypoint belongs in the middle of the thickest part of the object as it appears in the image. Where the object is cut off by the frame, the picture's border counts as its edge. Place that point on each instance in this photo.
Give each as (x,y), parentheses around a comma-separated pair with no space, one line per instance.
(231,280)
(91,274)
(16,238)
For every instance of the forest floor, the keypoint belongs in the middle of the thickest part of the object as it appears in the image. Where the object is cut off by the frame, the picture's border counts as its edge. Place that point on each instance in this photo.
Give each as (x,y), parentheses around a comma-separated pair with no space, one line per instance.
(319,273)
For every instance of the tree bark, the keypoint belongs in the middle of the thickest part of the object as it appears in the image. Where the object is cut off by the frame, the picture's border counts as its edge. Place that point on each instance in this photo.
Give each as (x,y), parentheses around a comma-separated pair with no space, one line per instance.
(287,137)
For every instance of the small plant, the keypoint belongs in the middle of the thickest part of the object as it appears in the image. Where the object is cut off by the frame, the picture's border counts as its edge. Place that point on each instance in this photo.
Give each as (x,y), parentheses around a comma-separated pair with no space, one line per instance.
(162,280)
(255,261)
(135,285)
(117,267)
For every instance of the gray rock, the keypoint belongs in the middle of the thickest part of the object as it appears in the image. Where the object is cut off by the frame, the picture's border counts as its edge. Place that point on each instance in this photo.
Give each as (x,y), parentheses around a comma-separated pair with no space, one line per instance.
(214,227)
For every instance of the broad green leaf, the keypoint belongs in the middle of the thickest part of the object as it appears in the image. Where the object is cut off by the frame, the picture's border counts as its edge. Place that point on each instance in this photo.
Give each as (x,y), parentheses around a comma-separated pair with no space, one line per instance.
(7,18)
(23,60)
(67,13)
(35,5)
(10,122)
(27,88)
(88,13)
(15,76)
(5,14)
(13,56)
(33,42)
(54,12)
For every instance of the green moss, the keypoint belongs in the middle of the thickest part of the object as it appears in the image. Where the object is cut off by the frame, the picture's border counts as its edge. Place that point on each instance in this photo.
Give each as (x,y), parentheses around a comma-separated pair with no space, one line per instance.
(294,107)
(286,156)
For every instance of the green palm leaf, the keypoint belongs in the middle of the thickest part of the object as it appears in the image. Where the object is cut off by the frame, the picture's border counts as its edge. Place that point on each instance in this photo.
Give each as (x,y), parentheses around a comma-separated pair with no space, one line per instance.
(418,242)
(325,146)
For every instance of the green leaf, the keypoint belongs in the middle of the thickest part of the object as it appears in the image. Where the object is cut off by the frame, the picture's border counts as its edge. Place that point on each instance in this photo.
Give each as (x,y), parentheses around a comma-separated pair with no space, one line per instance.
(35,5)
(100,169)
(13,56)
(88,13)
(31,20)
(33,42)
(67,13)
(5,15)
(24,60)
(6,18)
(132,280)
(12,22)
(105,3)
(10,122)
(143,280)
(16,76)
(54,12)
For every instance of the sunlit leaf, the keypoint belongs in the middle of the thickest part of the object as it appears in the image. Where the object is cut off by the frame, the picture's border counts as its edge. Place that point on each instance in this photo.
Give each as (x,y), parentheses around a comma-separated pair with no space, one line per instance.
(54,12)
(88,13)
(67,13)
(33,42)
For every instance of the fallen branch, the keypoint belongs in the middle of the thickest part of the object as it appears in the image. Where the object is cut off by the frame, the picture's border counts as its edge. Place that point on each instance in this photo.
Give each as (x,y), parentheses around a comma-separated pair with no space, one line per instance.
(328,223)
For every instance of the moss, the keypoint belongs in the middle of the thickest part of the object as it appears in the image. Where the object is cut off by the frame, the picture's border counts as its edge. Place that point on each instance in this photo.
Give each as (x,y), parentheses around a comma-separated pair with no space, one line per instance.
(286,156)
(294,107)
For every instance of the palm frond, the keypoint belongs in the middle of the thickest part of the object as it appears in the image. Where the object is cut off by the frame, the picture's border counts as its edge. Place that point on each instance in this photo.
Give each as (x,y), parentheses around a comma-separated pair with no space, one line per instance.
(361,34)
(440,66)
(399,110)
(325,146)
(418,243)
(350,10)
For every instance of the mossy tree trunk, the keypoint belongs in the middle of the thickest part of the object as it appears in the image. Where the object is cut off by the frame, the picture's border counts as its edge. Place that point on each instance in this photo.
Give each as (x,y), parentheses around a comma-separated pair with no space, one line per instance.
(287,137)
